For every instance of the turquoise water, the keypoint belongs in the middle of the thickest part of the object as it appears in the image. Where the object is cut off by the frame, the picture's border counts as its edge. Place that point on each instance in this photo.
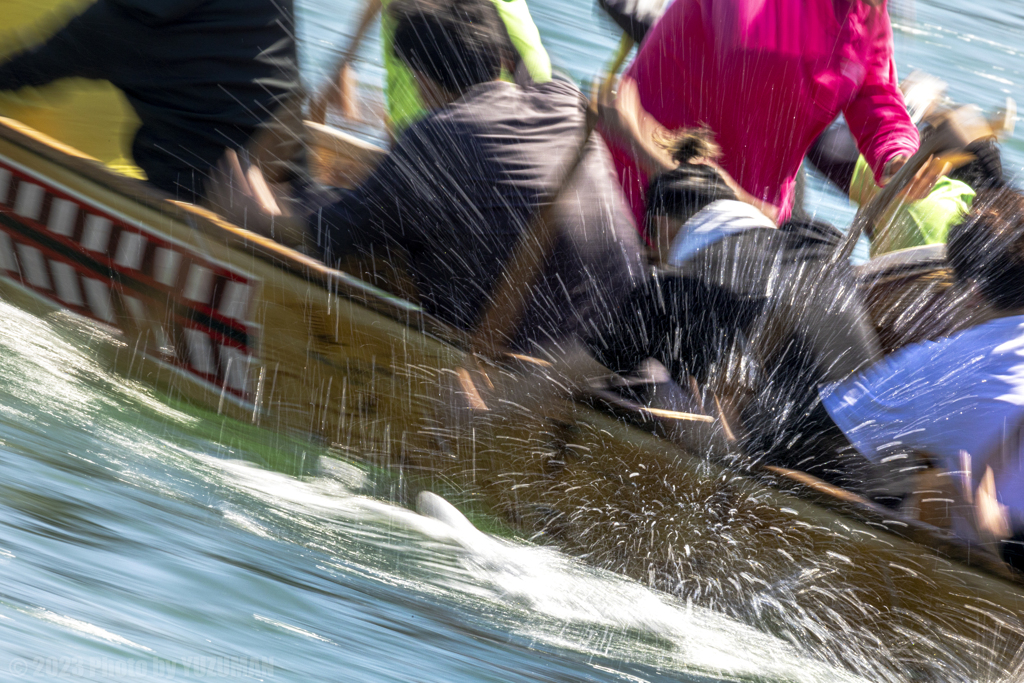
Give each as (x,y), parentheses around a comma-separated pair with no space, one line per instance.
(142,539)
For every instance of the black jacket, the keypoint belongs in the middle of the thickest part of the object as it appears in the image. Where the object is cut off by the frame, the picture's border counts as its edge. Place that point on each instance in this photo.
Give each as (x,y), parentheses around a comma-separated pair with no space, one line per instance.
(201,74)
(463,183)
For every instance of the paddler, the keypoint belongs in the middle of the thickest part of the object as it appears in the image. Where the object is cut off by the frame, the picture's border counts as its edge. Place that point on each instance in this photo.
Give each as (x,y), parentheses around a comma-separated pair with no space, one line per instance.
(462,184)
(737,291)
(910,223)
(527,61)
(767,78)
(203,77)
(958,401)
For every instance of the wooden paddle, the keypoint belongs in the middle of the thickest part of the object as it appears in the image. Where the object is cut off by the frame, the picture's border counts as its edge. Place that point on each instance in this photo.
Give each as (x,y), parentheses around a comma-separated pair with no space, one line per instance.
(539,381)
(340,87)
(954,130)
(479,384)
(481,392)
(626,44)
(508,301)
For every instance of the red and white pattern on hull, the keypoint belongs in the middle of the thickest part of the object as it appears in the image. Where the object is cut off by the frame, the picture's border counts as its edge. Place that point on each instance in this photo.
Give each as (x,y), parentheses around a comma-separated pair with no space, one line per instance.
(192,313)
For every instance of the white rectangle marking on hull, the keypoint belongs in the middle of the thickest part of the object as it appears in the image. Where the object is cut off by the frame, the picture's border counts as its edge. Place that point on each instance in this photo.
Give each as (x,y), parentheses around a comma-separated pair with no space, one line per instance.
(135,308)
(96,236)
(234,303)
(98,295)
(165,269)
(236,368)
(200,351)
(7,259)
(65,277)
(35,266)
(30,200)
(62,217)
(131,247)
(199,285)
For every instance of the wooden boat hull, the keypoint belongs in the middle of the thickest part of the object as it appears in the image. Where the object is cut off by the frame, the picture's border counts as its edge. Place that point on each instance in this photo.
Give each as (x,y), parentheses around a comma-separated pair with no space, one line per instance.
(205,311)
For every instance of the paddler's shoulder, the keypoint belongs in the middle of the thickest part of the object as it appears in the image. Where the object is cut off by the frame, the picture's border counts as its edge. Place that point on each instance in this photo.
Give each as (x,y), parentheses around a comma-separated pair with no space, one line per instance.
(558,93)
(501,99)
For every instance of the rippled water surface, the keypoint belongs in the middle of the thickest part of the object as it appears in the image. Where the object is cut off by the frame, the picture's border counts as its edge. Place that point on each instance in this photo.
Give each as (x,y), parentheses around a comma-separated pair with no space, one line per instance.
(144,539)
(141,538)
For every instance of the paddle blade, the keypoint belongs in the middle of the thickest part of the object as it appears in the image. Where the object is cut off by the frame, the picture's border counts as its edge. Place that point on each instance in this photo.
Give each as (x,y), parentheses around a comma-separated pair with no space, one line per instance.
(922,92)
(1004,119)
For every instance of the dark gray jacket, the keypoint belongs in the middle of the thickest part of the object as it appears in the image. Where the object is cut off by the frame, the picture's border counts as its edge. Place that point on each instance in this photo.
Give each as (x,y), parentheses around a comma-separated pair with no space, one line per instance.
(463,183)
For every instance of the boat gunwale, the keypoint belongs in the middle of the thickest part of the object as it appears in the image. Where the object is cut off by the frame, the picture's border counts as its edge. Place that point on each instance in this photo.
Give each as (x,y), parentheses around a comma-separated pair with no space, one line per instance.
(814,490)
(332,280)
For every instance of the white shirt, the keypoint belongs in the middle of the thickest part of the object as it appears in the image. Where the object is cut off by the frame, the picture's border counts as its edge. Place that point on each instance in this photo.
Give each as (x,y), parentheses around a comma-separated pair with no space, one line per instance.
(962,393)
(716,221)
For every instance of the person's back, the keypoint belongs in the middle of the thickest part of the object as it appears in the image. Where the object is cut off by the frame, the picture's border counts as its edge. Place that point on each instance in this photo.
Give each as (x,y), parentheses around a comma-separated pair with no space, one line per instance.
(202,75)
(959,400)
(755,313)
(463,184)
(961,394)
(767,77)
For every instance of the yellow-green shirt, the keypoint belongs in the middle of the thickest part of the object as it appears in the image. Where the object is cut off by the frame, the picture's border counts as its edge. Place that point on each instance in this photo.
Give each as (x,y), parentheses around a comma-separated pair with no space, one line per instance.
(403,99)
(913,224)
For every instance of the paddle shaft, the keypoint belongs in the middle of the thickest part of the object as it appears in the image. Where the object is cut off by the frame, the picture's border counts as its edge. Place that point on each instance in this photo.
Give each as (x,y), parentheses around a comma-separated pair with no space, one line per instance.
(869,214)
(508,300)
(625,45)
(956,130)
(318,108)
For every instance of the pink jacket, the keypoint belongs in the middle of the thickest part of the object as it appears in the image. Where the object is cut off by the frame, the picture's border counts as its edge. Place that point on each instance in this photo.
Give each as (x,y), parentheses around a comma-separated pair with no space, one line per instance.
(768,76)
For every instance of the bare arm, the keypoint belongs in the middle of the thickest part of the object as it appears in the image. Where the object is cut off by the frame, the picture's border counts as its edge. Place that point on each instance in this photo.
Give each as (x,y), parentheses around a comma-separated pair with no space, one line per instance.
(624,120)
(767,208)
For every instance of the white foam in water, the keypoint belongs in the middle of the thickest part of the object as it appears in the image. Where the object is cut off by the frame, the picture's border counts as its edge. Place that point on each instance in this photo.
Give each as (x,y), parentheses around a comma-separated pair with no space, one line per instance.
(53,368)
(535,593)
(293,629)
(546,596)
(432,505)
(564,591)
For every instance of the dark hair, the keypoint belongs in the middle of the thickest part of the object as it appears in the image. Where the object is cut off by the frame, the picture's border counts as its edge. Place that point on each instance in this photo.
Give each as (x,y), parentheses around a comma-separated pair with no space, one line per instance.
(988,247)
(985,171)
(682,192)
(690,187)
(457,43)
(687,145)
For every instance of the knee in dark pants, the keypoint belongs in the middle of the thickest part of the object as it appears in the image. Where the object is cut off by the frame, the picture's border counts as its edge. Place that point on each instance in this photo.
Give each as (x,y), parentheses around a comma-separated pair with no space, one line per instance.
(1012,550)
(786,425)
(682,322)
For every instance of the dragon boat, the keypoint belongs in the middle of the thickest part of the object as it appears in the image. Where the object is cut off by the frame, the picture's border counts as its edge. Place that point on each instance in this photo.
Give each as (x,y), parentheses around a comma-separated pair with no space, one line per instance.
(205,311)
